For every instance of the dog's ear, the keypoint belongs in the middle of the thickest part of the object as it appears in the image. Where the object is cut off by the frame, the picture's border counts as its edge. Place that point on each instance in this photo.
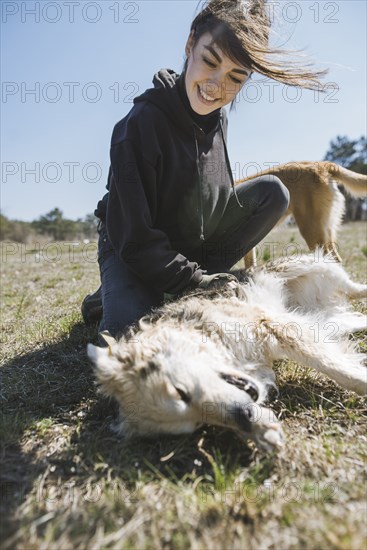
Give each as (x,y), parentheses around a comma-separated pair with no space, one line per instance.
(96,353)
(101,357)
(109,368)
(110,340)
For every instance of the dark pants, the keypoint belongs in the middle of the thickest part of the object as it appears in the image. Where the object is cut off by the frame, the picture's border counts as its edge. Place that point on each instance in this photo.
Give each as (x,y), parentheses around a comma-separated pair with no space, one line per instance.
(126,298)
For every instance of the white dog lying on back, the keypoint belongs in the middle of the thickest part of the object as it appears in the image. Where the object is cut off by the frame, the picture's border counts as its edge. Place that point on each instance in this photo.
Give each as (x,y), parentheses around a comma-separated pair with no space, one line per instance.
(207,357)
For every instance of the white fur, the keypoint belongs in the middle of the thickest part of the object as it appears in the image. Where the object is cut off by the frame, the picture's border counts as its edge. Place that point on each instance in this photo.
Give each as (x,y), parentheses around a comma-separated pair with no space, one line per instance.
(189,363)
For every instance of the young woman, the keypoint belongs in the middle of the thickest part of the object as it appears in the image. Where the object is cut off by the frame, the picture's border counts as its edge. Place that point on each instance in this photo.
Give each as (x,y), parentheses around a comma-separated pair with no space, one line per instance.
(172,218)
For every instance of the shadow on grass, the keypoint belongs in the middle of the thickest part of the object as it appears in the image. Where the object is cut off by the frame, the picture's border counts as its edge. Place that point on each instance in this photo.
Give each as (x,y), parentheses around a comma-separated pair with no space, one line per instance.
(41,388)
(50,394)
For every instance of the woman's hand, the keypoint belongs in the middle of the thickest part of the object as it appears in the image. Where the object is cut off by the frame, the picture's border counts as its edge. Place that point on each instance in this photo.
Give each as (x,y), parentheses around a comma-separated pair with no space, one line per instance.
(216,280)
(211,282)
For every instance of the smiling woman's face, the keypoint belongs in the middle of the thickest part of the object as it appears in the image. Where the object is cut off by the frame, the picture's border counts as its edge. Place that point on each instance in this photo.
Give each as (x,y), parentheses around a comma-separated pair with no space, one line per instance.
(212,79)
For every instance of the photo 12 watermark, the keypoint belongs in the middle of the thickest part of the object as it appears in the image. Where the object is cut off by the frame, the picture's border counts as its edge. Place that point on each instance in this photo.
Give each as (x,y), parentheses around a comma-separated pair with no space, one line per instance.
(51,172)
(129,12)
(67,92)
(70,12)
(254,91)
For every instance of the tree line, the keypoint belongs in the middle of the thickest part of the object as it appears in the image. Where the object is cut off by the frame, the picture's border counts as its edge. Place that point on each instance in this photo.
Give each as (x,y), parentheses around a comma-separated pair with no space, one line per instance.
(53,225)
(345,152)
(351,154)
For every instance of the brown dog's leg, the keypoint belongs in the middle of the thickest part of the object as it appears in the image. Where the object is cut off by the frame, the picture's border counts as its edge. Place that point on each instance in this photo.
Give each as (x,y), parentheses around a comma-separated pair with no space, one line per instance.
(318,217)
(250,258)
(331,247)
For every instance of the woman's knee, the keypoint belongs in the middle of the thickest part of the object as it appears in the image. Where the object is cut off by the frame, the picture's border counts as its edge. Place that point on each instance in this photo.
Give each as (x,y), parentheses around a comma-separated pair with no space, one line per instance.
(265,192)
(278,192)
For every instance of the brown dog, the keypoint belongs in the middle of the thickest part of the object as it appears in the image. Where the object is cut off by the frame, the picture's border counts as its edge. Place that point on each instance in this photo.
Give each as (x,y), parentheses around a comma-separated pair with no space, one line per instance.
(316,203)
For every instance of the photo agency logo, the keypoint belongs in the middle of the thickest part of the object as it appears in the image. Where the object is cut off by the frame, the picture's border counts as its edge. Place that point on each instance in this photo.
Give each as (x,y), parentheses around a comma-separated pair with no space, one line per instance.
(283,16)
(51,172)
(67,92)
(49,252)
(253,91)
(51,13)
(270,491)
(327,332)
(70,12)
(257,90)
(69,492)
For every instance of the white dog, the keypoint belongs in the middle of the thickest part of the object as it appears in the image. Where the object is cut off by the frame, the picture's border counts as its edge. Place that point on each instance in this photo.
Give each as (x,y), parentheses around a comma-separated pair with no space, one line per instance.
(207,357)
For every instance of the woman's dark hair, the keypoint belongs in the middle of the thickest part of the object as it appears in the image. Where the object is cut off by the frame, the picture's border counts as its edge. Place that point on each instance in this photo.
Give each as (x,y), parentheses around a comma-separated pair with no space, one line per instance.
(241,30)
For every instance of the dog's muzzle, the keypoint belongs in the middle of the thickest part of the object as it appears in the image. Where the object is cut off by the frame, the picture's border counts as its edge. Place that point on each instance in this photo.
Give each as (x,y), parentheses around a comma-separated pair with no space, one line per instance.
(242,384)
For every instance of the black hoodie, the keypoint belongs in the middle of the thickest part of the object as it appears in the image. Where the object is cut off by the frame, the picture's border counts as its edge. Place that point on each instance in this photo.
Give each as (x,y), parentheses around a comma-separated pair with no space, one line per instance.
(169,184)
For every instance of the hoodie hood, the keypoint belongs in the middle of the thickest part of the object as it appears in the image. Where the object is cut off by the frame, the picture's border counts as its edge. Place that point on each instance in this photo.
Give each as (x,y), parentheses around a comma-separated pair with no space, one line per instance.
(169,95)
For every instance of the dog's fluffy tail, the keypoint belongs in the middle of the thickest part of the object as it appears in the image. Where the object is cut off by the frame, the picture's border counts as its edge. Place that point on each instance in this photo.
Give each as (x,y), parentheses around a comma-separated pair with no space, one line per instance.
(355,184)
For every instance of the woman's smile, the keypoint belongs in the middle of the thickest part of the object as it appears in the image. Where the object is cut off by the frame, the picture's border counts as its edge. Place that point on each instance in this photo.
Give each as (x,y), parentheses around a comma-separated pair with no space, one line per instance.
(205,98)
(212,79)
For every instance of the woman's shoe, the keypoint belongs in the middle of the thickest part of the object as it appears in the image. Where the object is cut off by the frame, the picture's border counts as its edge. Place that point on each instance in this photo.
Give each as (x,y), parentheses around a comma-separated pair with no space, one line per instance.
(92,307)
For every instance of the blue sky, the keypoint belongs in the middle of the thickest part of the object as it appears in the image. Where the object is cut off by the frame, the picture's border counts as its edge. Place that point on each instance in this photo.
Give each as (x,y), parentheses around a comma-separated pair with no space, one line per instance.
(85,61)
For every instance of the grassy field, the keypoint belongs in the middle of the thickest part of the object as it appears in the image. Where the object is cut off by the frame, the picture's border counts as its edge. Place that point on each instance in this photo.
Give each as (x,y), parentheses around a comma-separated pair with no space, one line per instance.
(68,482)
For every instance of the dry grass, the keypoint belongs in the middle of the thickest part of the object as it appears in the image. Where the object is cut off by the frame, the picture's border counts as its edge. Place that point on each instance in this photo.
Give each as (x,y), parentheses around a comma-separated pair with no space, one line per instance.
(68,482)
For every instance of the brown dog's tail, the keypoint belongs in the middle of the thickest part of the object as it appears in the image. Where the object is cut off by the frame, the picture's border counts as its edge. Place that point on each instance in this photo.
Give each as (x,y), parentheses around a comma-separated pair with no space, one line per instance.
(355,184)
(322,172)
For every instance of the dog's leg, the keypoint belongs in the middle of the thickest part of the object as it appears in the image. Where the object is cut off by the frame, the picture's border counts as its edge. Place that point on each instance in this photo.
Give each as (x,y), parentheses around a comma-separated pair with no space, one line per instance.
(314,346)
(328,288)
(327,211)
(333,221)
(316,282)
(250,258)
(331,248)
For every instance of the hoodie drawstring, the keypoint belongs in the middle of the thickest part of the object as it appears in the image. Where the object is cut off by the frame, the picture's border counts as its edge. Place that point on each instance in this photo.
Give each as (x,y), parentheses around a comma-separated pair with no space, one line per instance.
(202,238)
(229,165)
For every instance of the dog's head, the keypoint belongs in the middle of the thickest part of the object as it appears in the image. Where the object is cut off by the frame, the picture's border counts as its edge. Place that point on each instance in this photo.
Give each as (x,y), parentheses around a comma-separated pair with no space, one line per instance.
(169,380)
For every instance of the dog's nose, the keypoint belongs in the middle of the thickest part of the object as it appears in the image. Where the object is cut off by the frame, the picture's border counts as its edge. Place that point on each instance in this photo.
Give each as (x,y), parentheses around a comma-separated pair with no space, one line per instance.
(272,392)
(243,417)
(252,390)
